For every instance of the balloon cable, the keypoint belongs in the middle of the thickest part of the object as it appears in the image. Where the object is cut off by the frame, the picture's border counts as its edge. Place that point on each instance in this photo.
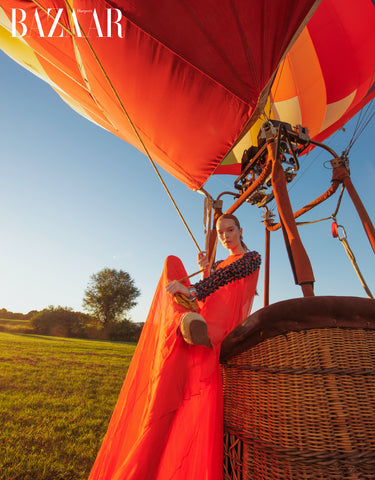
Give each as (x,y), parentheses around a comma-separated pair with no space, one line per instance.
(365,116)
(138,136)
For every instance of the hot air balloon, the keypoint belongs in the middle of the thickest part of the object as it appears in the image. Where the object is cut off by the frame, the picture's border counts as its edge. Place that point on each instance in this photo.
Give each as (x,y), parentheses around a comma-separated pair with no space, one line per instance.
(242,88)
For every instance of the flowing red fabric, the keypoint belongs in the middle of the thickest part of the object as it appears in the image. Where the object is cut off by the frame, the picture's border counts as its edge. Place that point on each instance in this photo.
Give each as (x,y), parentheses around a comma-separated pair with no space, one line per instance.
(167,423)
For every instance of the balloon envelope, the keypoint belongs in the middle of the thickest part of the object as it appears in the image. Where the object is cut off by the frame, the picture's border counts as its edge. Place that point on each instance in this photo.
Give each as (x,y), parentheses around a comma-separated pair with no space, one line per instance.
(192,79)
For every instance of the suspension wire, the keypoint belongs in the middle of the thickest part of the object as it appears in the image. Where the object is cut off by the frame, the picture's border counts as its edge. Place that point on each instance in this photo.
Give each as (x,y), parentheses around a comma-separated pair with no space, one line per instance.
(333,216)
(363,120)
(349,252)
(313,221)
(114,91)
(339,202)
(360,120)
(53,17)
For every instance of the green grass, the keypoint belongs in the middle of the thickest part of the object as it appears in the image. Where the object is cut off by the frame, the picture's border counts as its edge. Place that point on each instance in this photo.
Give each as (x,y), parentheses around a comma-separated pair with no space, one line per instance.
(56,399)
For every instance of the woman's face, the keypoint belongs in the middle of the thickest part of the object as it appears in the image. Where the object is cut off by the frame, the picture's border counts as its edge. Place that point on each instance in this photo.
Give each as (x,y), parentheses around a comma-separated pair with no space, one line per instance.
(229,234)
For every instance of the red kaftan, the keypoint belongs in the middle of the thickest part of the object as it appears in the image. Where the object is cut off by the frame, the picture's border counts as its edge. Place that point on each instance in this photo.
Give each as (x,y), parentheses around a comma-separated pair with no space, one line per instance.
(167,423)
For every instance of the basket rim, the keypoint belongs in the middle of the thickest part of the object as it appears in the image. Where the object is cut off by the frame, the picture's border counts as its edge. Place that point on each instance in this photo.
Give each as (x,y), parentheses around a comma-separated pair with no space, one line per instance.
(298,314)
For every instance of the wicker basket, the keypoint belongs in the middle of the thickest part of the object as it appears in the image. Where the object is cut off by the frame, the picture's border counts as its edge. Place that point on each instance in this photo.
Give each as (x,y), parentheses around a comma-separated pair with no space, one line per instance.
(301,404)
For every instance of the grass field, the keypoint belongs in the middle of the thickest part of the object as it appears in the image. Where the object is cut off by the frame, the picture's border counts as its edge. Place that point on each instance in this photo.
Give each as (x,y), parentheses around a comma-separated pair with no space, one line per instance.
(56,398)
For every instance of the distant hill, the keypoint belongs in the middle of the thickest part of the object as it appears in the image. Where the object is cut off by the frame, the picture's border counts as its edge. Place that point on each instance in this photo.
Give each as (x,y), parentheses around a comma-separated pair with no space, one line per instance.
(64,322)
(4,314)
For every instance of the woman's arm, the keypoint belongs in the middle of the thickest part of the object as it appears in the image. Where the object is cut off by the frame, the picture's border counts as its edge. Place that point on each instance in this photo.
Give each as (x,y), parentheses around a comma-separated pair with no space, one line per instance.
(244,266)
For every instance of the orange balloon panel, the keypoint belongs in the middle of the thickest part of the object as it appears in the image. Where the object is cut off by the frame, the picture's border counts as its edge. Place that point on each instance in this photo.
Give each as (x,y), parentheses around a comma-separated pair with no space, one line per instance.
(329,73)
(327,76)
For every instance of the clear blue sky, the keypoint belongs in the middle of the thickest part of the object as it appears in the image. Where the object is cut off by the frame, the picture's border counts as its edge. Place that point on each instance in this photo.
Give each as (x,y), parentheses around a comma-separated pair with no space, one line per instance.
(75,199)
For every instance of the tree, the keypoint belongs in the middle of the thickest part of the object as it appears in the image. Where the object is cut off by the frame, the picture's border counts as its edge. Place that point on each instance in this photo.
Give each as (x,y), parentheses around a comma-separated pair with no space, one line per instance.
(110,294)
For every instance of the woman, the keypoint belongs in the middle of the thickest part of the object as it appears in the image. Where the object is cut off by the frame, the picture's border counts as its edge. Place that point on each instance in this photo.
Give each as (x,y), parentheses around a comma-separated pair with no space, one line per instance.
(167,424)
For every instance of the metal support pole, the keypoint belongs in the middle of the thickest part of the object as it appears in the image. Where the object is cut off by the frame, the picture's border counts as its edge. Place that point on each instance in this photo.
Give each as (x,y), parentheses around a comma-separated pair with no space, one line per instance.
(298,257)
(365,219)
(267,253)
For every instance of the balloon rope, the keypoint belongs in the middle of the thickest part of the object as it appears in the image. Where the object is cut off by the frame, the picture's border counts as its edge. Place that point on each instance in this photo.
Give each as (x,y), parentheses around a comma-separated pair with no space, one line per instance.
(54,65)
(50,15)
(192,275)
(135,131)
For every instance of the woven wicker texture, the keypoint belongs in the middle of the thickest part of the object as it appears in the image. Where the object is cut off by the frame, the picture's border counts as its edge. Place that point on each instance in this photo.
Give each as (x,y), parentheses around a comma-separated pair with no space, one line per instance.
(303,406)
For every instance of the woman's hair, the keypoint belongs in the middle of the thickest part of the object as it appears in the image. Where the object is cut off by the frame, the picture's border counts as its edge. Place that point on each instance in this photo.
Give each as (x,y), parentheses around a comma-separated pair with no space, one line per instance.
(229,216)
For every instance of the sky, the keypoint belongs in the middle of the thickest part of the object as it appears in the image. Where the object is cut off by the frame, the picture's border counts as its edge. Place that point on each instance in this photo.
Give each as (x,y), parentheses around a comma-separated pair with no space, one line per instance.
(75,199)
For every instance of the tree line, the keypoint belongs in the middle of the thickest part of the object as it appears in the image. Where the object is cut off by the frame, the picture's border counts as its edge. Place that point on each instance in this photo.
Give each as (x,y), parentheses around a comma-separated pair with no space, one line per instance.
(107,299)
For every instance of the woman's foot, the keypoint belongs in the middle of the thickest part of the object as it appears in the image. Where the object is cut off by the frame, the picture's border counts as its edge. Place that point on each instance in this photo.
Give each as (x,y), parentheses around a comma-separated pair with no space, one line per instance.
(194,329)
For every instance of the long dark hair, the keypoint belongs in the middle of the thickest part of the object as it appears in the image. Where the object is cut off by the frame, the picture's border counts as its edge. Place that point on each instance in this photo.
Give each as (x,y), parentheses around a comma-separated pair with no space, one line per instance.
(229,216)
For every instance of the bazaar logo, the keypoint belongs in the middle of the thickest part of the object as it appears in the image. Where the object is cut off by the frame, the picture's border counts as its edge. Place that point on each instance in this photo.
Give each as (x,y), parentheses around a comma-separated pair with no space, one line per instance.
(50,25)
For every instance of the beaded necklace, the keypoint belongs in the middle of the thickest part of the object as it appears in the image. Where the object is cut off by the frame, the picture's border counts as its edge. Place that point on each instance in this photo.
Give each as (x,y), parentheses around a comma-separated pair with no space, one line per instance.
(241,268)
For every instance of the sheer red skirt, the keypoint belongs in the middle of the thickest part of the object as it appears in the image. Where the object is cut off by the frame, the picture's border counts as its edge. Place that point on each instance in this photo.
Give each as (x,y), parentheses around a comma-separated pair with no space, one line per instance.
(167,423)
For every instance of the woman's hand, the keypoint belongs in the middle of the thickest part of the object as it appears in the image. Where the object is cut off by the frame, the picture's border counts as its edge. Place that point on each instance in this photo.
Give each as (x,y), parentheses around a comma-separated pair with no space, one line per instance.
(203,259)
(203,263)
(176,287)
